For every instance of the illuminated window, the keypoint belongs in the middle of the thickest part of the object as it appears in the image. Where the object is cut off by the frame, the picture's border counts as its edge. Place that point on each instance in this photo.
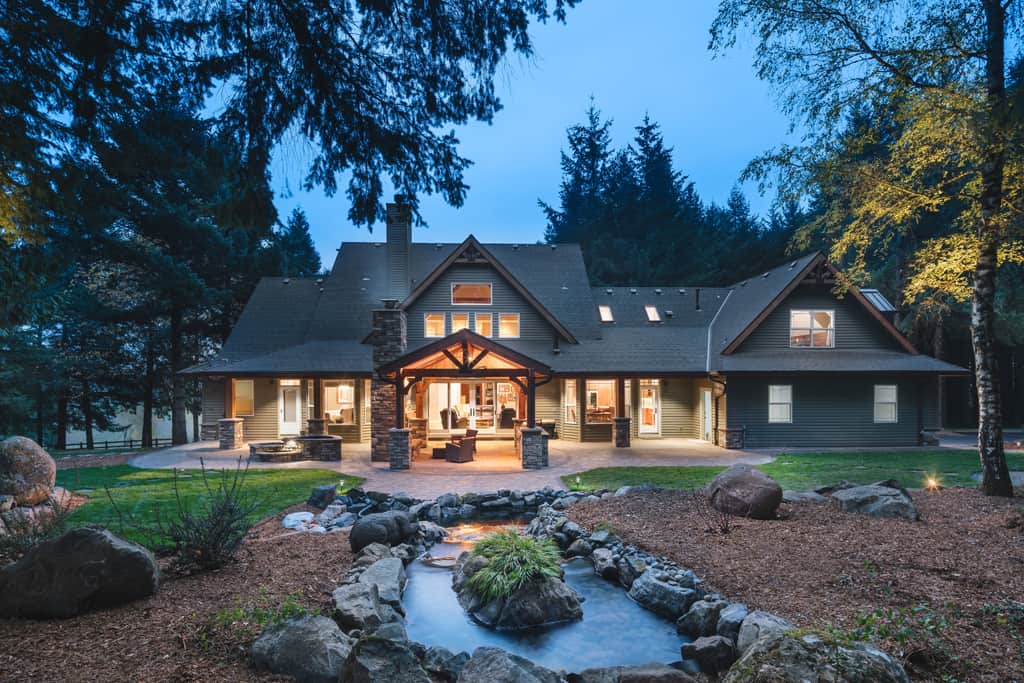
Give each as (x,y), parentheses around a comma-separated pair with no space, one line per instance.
(811,329)
(600,401)
(652,314)
(606,314)
(885,403)
(483,324)
(460,321)
(508,325)
(244,399)
(433,325)
(471,294)
(569,401)
(340,401)
(780,403)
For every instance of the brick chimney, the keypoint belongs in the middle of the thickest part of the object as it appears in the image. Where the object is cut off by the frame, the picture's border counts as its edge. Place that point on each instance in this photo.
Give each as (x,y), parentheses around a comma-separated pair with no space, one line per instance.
(399,236)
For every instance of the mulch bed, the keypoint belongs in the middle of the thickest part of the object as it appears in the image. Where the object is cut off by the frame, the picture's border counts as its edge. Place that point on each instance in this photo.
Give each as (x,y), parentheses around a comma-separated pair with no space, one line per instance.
(820,568)
(174,636)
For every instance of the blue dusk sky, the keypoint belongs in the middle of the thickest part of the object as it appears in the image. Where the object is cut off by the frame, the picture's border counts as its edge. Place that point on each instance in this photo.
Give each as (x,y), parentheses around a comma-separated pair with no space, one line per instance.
(632,57)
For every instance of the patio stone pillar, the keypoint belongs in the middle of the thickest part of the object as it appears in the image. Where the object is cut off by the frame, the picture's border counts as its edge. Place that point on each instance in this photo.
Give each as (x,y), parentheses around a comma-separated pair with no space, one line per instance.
(229,430)
(399,453)
(621,432)
(533,448)
(418,435)
(389,343)
(316,426)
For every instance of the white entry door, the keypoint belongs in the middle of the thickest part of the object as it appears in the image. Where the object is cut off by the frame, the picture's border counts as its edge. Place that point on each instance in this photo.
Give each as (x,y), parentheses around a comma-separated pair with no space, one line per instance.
(650,408)
(705,413)
(289,409)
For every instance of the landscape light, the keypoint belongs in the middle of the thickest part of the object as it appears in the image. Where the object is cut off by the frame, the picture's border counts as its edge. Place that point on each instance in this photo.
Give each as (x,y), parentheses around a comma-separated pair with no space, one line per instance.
(932,484)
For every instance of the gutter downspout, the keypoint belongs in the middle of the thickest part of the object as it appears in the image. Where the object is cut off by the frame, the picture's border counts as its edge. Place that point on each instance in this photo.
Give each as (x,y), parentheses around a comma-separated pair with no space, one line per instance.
(707,368)
(713,380)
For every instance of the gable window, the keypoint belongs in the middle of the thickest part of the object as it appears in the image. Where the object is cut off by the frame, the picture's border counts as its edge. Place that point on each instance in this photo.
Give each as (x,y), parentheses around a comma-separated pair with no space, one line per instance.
(471,293)
(885,403)
(244,400)
(483,324)
(652,314)
(606,314)
(780,403)
(433,325)
(569,401)
(600,401)
(460,321)
(508,325)
(811,328)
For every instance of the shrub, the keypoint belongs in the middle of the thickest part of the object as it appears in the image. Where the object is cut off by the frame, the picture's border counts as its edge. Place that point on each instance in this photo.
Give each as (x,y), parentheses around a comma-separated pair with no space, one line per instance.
(514,561)
(715,521)
(233,629)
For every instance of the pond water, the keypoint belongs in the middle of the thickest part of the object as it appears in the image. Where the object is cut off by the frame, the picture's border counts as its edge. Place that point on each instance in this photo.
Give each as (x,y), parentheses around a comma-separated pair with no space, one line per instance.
(614,629)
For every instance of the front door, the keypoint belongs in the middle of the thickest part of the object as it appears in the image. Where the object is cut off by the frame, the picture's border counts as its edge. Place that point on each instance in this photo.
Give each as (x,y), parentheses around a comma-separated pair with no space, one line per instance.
(289,409)
(650,408)
(705,413)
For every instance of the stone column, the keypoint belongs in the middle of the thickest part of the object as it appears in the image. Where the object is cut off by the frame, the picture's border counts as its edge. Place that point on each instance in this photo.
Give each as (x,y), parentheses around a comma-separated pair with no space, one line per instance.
(418,435)
(399,453)
(389,342)
(533,451)
(621,432)
(229,430)
(732,437)
(316,426)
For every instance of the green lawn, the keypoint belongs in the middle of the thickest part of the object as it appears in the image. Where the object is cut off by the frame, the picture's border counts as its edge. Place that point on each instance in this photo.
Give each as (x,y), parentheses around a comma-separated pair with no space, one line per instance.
(141,493)
(808,470)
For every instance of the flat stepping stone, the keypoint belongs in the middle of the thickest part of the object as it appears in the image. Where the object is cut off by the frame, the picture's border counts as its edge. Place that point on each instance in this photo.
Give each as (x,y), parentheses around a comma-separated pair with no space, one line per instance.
(297,520)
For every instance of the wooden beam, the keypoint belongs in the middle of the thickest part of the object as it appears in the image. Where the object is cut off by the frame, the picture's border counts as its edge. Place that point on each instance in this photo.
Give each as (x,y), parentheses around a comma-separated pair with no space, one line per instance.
(318,398)
(620,397)
(479,358)
(453,359)
(531,400)
(229,397)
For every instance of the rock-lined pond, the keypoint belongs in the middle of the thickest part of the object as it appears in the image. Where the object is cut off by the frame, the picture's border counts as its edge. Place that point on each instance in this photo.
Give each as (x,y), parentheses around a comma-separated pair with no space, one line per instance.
(614,629)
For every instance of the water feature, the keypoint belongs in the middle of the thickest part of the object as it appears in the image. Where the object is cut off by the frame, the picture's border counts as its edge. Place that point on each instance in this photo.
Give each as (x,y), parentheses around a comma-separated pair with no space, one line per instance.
(614,629)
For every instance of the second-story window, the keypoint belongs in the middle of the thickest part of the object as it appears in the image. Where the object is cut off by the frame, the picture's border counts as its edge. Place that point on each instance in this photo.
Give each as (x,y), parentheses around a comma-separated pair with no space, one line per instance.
(471,294)
(433,325)
(483,324)
(508,325)
(460,321)
(811,328)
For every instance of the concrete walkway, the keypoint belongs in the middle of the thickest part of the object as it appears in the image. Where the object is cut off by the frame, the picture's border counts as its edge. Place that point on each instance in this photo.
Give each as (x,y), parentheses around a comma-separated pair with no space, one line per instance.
(495,467)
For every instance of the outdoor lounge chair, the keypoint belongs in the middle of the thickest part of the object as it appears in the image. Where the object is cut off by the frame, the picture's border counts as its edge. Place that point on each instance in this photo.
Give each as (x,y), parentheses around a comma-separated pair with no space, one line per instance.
(470,434)
(460,452)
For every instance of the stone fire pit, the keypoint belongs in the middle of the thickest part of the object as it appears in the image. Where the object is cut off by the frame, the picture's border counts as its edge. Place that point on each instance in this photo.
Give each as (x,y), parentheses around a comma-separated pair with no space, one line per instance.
(275,451)
(322,447)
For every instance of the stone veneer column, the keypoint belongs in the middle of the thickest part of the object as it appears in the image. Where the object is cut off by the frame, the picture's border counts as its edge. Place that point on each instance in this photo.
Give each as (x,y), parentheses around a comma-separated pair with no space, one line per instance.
(621,432)
(316,426)
(532,447)
(398,448)
(229,430)
(732,437)
(389,343)
(418,437)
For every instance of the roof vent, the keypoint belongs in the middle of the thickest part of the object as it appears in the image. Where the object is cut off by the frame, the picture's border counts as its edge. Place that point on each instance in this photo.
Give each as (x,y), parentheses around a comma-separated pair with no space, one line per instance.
(319,280)
(658,291)
(609,291)
(554,246)
(377,245)
(286,281)
(792,265)
(321,290)
(682,290)
(766,274)
(697,302)
(565,288)
(632,290)
(366,278)
(743,284)
(515,246)
(668,313)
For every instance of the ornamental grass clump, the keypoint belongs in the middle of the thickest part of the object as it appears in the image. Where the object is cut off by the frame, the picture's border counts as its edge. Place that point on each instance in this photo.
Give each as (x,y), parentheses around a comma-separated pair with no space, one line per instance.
(513,562)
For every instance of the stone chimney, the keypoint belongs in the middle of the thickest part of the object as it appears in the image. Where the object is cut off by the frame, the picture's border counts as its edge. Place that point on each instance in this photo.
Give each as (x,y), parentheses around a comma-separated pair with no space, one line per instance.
(399,236)
(389,342)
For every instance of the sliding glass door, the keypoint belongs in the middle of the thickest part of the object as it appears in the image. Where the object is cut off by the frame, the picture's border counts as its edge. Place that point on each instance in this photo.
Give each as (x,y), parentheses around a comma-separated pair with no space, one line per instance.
(454,407)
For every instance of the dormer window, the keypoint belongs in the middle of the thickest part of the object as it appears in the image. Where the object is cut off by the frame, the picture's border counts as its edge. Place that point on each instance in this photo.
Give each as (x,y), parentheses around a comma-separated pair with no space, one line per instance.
(606,314)
(652,314)
(811,328)
(471,294)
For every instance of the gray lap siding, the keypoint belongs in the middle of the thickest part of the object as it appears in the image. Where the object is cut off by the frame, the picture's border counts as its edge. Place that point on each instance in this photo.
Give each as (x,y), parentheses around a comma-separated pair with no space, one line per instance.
(828,411)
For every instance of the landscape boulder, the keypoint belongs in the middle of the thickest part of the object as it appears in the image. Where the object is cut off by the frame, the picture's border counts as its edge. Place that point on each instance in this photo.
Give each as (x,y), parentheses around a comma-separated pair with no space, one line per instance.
(640,673)
(443,663)
(358,606)
(877,501)
(374,660)
(604,564)
(388,575)
(310,649)
(662,597)
(745,491)
(803,497)
(27,472)
(730,619)
(494,665)
(785,658)
(701,619)
(759,625)
(83,570)
(322,496)
(713,654)
(389,528)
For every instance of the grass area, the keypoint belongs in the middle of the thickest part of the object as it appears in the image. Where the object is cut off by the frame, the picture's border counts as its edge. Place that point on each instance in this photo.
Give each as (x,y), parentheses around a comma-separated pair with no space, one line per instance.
(808,470)
(143,494)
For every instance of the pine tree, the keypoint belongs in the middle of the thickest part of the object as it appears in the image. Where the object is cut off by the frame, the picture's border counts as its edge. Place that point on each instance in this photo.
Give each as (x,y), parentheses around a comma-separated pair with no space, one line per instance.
(298,255)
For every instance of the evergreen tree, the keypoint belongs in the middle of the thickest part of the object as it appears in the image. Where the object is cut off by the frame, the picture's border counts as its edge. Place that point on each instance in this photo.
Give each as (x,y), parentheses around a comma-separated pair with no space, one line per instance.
(298,255)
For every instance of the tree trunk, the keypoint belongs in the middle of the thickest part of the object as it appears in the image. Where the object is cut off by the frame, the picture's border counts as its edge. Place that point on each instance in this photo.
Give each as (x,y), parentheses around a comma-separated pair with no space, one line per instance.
(195,426)
(40,389)
(179,431)
(86,405)
(995,476)
(62,399)
(149,384)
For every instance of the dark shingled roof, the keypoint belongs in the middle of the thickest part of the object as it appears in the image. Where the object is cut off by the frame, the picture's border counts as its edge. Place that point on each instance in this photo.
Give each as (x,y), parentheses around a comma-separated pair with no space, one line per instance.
(833,360)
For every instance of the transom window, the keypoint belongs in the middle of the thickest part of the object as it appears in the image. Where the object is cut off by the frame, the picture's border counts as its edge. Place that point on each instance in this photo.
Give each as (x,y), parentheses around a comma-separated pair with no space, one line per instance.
(606,314)
(244,399)
(569,401)
(433,325)
(812,328)
(471,293)
(460,321)
(780,403)
(508,325)
(483,324)
(652,314)
(885,403)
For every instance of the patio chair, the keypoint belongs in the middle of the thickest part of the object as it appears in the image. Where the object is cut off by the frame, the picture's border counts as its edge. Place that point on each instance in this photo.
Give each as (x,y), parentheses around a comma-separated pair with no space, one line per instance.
(460,452)
(470,434)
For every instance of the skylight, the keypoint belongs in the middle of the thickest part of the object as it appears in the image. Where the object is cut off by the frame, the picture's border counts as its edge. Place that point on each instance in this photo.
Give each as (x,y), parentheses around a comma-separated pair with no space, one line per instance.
(606,314)
(652,314)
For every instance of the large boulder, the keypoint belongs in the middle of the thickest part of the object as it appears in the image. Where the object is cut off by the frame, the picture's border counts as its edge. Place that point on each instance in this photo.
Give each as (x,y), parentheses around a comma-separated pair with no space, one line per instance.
(640,673)
(388,575)
(389,528)
(713,654)
(746,491)
(83,570)
(604,564)
(877,501)
(670,600)
(27,472)
(494,665)
(358,606)
(310,649)
(375,660)
(443,663)
(701,619)
(786,658)
(730,619)
(759,625)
